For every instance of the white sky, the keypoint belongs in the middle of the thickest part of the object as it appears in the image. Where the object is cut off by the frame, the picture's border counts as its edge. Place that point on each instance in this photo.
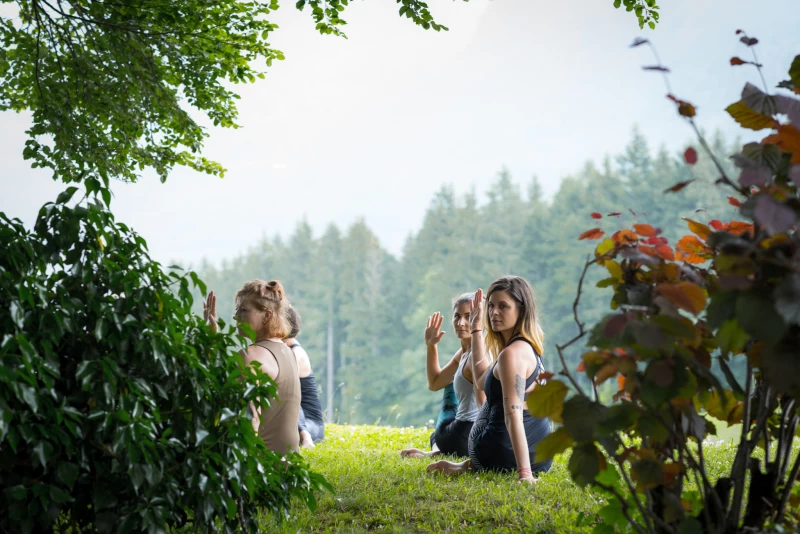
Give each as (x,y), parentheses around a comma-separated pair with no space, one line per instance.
(373,125)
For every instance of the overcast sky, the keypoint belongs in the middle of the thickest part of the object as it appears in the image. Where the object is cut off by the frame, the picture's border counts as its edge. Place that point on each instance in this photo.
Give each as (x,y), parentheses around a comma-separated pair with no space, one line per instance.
(373,125)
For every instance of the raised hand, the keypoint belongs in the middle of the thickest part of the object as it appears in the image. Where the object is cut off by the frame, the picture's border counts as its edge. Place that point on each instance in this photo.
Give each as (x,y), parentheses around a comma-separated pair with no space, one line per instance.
(432,333)
(476,311)
(210,311)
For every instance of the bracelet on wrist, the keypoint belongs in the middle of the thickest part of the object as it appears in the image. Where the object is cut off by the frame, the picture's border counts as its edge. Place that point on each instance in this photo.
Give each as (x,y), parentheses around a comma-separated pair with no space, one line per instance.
(525,472)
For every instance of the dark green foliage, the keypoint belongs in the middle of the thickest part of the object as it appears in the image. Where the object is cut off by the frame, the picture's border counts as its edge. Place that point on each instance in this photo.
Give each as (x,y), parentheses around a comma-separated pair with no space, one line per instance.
(118,406)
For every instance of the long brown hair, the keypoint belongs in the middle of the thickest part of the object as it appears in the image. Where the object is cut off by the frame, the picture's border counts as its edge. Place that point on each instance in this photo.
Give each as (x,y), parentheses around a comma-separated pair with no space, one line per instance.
(527,325)
(268,296)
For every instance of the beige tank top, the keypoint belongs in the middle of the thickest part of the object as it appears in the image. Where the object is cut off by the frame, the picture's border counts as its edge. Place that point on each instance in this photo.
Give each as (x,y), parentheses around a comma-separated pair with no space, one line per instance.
(278,427)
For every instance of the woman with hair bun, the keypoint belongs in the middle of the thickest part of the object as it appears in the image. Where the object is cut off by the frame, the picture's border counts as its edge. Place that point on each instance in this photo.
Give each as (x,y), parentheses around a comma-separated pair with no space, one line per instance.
(505,434)
(262,305)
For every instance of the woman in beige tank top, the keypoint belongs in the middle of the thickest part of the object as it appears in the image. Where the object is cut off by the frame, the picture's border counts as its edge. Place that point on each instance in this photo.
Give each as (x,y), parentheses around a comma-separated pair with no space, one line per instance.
(262,305)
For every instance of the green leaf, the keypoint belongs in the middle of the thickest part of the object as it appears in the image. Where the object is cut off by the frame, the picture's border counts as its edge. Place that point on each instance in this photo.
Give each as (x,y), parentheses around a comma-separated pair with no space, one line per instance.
(66,195)
(787,299)
(16,493)
(648,472)
(731,338)
(585,464)
(651,428)
(547,400)
(758,317)
(556,443)
(794,71)
(580,418)
(721,308)
(67,473)
(617,417)
(59,495)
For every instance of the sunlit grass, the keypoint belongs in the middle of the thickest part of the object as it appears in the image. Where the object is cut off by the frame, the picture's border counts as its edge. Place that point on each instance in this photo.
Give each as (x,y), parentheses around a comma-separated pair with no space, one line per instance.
(377,490)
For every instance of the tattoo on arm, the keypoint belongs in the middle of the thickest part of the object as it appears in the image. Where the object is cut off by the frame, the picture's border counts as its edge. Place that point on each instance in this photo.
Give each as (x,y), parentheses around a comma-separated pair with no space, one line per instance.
(519,386)
(511,407)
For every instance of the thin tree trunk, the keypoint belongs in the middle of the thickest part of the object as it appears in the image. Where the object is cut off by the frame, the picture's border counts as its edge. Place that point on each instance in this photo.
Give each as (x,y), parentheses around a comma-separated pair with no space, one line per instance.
(330,362)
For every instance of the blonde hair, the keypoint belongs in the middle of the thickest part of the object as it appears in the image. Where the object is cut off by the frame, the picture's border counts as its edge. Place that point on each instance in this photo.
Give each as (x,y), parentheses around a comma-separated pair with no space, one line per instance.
(268,296)
(527,325)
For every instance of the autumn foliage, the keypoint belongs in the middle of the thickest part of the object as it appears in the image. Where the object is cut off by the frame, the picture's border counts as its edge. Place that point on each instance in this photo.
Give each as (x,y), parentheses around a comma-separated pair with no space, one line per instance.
(726,295)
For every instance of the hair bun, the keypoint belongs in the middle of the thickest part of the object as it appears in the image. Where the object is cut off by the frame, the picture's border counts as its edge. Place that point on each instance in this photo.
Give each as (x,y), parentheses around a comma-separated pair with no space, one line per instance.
(276,287)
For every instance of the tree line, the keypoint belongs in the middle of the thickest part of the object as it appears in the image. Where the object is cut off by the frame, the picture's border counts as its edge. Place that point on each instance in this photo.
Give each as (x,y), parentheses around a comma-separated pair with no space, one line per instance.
(364,309)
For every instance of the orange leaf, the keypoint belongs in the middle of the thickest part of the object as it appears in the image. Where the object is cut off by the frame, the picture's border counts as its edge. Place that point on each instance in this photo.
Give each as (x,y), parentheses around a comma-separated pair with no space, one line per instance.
(739,228)
(734,202)
(645,230)
(692,250)
(690,156)
(690,243)
(650,251)
(716,225)
(621,382)
(737,61)
(546,375)
(596,215)
(680,185)
(581,367)
(685,295)
(665,252)
(594,233)
(624,237)
(698,228)
(787,139)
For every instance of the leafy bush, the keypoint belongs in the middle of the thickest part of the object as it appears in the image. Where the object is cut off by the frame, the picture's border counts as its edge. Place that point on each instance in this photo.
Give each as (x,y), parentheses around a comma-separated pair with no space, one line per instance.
(118,407)
(727,295)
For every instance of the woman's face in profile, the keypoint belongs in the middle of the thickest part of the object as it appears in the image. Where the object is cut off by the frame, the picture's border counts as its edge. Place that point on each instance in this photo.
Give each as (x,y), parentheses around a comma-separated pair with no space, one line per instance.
(248,313)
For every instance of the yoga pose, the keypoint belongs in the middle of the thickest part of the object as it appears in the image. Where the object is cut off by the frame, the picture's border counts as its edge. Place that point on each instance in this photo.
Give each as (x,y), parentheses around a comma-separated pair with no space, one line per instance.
(452,433)
(505,435)
(310,425)
(262,306)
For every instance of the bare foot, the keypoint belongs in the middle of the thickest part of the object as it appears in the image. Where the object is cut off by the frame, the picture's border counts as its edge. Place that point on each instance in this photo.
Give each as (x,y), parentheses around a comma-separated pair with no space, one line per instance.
(448,468)
(305,440)
(414,453)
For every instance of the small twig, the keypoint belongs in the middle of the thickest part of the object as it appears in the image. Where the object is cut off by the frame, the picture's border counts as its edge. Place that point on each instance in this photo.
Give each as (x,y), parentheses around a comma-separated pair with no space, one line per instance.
(787,489)
(758,67)
(739,470)
(581,332)
(636,499)
(723,175)
(658,62)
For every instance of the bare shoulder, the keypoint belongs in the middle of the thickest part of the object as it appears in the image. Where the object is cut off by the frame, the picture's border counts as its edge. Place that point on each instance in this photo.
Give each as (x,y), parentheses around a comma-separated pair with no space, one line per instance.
(517,351)
(303,361)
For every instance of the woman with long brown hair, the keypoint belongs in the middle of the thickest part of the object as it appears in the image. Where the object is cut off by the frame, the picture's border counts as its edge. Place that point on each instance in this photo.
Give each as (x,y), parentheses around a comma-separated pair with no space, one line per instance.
(262,306)
(505,434)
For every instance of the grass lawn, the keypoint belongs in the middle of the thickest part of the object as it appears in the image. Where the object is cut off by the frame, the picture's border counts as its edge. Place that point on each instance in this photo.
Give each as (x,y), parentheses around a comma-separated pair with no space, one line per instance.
(377,490)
